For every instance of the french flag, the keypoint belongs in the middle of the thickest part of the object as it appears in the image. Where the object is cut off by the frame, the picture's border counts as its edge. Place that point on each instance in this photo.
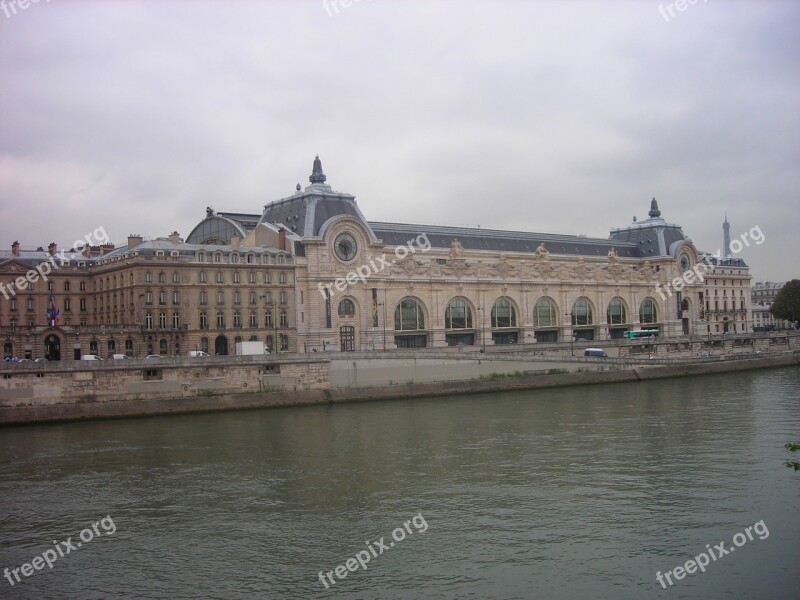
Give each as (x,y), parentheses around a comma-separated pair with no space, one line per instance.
(53,312)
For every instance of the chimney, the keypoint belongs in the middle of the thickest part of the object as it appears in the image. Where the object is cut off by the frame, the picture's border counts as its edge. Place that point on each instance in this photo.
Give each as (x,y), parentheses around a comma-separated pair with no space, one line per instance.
(175,237)
(282,238)
(15,248)
(51,249)
(235,242)
(134,240)
(106,248)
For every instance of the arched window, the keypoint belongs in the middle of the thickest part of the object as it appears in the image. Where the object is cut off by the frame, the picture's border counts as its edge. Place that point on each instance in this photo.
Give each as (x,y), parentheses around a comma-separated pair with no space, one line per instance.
(458,315)
(347,308)
(93,347)
(129,347)
(408,316)
(162,347)
(647,311)
(112,347)
(544,314)
(503,314)
(204,344)
(582,312)
(616,312)
(8,350)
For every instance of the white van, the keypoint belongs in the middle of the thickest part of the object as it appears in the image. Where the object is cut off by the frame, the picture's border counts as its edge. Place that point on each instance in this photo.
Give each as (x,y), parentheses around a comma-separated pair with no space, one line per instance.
(121,357)
(197,354)
(90,357)
(595,353)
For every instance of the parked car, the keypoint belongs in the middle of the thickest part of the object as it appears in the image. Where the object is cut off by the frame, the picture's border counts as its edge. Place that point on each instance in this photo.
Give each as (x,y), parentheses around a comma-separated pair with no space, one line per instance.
(41,360)
(595,353)
(154,357)
(121,357)
(197,354)
(25,360)
(90,357)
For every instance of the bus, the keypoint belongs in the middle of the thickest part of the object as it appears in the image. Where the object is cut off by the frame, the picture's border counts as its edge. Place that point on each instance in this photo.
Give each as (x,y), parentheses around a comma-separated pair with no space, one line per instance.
(646,333)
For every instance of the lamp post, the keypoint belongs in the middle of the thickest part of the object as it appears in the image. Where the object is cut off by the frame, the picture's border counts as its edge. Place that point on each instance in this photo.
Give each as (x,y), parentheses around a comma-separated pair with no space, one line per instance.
(273,308)
(383,304)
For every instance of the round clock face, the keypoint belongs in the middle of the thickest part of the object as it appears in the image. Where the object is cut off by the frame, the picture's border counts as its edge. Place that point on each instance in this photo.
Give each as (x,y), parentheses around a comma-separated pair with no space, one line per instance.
(684,263)
(345,247)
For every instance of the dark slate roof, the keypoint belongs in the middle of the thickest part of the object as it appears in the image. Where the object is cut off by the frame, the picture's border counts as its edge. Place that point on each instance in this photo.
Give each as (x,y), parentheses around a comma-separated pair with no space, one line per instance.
(33,258)
(395,234)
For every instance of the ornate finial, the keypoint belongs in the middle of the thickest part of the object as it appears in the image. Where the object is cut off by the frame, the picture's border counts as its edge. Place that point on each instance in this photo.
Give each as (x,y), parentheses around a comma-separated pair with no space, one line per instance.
(298,188)
(654,212)
(317,176)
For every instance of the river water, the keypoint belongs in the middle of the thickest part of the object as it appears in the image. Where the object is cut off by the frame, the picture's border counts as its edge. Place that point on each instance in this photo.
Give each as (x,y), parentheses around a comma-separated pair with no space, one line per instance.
(585,492)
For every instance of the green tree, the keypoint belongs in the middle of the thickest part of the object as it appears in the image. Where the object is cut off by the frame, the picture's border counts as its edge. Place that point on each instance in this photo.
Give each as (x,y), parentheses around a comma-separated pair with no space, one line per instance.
(793,447)
(787,302)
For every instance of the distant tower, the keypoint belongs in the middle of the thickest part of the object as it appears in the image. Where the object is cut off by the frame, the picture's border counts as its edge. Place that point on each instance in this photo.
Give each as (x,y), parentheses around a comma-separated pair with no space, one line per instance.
(726,237)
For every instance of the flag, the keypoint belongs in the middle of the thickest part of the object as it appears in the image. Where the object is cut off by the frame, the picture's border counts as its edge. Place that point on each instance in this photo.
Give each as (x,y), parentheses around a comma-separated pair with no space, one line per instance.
(53,312)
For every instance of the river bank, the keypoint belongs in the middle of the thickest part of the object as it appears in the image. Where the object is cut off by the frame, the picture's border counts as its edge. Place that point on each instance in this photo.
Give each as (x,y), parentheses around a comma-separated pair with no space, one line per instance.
(273,398)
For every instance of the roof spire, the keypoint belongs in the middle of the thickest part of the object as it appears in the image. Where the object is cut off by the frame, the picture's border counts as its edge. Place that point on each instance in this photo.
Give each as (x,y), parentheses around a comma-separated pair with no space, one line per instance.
(317,176)
(654,212)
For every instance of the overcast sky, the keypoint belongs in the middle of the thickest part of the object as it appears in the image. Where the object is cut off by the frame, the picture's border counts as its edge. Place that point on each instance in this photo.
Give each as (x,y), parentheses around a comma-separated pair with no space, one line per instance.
(560,117)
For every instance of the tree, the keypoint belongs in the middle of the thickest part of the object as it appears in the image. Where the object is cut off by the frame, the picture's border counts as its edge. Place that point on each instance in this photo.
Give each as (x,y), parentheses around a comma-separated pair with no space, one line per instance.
(793,447)
(787,302)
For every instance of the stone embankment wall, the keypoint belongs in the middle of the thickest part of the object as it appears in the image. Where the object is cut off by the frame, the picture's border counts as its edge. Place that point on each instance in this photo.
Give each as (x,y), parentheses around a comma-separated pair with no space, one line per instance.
(121,391)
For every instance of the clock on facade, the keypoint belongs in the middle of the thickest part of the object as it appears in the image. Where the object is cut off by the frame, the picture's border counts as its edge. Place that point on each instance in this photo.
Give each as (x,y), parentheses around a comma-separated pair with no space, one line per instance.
(685,262)
(345,247)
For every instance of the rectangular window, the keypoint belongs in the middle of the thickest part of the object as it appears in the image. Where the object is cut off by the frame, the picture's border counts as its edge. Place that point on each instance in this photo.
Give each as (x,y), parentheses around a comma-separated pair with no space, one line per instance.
(282,277)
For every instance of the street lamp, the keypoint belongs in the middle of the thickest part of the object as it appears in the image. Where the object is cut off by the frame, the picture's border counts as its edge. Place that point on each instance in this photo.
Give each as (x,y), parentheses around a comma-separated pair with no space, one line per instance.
(383,304)
(274,308)
(481,310)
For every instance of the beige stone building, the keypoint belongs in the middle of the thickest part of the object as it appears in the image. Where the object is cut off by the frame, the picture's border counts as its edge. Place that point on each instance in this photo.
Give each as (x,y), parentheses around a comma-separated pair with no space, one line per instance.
(159,296)
(311,273)
(364,285)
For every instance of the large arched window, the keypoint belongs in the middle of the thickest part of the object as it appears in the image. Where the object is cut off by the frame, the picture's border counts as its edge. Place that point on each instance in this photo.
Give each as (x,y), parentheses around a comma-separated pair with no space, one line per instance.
(616,312)
(544,314)
(347,308)
(582,313)
(647,311)
(8,350)
(409,316)
(458,315)
(503,314)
